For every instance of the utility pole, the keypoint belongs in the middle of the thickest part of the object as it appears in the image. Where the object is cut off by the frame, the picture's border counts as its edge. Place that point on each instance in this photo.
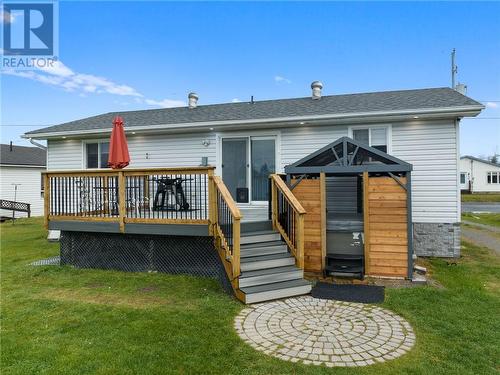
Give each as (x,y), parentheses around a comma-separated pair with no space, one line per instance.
(15,200)
(454,68)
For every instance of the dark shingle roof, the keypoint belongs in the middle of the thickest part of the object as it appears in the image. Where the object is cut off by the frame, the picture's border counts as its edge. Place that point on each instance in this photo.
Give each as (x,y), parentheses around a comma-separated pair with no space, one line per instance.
(22,155)
(433,98)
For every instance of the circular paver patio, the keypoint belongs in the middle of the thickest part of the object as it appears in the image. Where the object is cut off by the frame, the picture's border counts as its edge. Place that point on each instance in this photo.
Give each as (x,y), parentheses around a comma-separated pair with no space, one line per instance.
(317,331)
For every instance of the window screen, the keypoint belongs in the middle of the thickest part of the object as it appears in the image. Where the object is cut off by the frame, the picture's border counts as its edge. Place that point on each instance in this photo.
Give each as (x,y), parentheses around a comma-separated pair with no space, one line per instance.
(361,135)
(104,153)
(379,139)
(92,155)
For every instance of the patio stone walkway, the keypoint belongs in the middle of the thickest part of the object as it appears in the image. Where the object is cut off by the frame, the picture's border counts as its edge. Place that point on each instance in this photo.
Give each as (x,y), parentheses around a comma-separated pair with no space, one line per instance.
(317,331)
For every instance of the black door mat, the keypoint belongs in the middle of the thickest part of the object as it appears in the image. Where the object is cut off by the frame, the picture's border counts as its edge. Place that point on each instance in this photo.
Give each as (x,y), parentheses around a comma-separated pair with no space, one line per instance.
(349,293)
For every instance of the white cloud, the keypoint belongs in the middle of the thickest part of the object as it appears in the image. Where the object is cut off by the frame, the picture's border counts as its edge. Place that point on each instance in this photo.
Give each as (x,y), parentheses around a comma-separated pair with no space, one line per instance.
(165,103)
(491,105)
(281,79)
(59,75)
(236,100)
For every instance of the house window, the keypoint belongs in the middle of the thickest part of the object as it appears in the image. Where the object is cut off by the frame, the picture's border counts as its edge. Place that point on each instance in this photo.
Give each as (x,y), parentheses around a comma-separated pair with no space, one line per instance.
(493,178)
(374,137)
(97,154)
(462,178)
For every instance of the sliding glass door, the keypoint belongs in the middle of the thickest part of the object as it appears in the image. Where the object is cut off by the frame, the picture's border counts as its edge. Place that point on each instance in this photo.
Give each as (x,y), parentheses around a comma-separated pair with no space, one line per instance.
(247,163)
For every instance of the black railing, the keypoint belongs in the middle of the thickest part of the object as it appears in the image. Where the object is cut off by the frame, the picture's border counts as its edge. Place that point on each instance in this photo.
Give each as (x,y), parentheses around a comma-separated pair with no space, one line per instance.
(225,220)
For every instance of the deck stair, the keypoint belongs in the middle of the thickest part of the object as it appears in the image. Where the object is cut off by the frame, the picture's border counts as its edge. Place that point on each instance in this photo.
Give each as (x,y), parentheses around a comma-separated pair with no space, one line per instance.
(268,270)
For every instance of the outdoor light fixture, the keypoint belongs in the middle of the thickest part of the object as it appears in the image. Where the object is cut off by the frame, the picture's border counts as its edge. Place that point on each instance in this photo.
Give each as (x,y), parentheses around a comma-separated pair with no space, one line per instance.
(302,123)
(205,142)
(64,137)
(211,129)
(415,117)
(133,132)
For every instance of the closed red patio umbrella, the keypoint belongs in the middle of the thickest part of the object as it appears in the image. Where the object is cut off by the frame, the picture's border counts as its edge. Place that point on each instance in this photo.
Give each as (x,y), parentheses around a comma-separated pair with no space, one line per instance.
(118,149)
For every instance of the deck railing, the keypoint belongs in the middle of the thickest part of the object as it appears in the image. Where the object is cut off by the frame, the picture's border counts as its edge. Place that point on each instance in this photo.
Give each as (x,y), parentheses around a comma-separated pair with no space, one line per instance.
(164,195)
(287,215)
(226,227)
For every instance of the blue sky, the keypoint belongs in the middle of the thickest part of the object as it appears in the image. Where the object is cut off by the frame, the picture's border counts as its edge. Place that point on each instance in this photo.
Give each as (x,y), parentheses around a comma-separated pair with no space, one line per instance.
(119,56)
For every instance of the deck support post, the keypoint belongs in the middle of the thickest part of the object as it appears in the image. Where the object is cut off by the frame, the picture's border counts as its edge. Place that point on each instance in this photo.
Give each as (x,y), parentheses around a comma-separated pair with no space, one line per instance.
(236,248)
(46,200)
(122,208)
(366,222)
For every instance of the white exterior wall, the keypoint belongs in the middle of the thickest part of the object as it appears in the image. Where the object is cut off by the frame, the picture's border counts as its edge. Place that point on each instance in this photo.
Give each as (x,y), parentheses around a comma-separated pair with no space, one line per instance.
(477,172)
(28,192)
(432,148)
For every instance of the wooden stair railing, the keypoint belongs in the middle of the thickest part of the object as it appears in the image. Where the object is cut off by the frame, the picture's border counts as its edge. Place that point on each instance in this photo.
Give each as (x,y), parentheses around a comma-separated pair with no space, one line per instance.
(225,220)
(287,215)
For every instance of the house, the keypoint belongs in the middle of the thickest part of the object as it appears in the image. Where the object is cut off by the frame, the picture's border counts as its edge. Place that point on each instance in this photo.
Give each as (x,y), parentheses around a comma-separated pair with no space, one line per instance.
(479,176)
(352,184)
(21,180)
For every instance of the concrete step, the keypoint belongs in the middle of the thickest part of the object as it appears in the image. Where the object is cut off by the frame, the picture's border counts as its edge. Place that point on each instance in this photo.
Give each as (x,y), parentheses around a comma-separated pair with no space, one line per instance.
(254,226)
(269,275)
(260,293)
(266,261)
(253,251)
(259,236)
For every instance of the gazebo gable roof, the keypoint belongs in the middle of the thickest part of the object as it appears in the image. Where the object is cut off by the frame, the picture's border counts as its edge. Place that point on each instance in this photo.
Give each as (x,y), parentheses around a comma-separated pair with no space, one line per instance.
(347,154)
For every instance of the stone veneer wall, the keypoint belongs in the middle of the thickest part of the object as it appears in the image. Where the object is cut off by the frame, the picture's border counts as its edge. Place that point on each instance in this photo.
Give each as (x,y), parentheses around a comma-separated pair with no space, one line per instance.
(436,239)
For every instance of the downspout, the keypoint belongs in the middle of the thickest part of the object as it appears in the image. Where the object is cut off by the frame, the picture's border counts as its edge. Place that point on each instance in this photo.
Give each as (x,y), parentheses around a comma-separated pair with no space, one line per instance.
(39,145)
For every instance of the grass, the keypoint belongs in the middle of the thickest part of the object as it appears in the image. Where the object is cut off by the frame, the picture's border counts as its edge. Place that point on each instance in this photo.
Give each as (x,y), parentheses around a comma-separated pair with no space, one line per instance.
(488,219)
(480,197)
(61,320)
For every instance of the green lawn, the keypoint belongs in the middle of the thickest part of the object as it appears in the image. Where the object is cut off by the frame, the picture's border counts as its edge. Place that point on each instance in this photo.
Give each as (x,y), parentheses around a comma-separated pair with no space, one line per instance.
(480,197)
(60,320)
(488,219)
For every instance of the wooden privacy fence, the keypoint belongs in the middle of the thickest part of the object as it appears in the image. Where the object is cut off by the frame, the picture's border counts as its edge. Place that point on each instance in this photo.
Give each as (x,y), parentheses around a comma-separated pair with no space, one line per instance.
(386,225)
(288,217)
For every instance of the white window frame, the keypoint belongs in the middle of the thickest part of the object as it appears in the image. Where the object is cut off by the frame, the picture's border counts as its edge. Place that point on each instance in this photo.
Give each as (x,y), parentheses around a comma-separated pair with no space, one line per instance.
(492,173)
(84,152)
(249,135)
(388,133)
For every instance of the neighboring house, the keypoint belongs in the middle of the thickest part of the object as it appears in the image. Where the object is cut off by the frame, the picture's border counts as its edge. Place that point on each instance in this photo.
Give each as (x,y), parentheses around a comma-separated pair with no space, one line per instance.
(376,143)
(479,176)
(22,167)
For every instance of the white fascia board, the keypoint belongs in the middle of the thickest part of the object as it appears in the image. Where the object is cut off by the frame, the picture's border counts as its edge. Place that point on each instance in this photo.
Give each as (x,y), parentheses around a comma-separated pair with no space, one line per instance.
(467,111)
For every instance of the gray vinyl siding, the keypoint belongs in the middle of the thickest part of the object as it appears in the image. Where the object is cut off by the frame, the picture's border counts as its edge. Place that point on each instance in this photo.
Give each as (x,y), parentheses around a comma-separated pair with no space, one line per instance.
(64,154)
(432,149)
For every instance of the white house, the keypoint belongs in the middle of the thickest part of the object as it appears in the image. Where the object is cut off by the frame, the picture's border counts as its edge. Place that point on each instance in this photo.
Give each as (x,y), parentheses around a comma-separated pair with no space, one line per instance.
(479,176)
(21,168)
(246,141)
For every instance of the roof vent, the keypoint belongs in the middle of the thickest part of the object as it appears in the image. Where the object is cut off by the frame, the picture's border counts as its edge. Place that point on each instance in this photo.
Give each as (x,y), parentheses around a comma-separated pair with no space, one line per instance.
(461,88)
(193,99)
(316,89)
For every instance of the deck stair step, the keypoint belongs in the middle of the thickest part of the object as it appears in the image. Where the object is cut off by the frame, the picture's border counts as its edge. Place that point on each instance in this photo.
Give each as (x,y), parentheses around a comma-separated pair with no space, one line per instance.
(270,275)
(274,248)
(254,226)
(266,261)
(266,292)
(347,265)
(268,270)
(259,236)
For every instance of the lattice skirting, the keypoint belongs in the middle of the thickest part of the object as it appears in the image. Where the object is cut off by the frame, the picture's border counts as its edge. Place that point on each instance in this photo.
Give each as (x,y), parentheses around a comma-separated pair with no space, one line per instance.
(139,253)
